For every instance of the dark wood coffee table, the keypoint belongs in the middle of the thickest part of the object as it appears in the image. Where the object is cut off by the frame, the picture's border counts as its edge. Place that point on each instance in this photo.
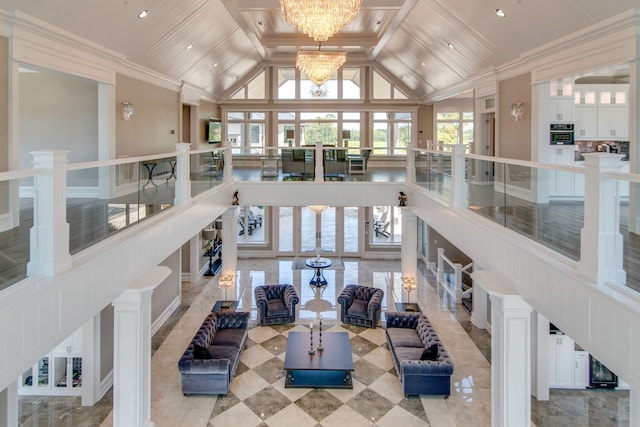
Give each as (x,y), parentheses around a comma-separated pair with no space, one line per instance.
(330,368)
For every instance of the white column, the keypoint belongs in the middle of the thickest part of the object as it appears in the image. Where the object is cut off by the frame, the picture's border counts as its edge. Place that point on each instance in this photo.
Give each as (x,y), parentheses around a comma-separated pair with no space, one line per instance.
(228,163)
(132,351)
(319,163)
(9,405)
(409,248)
(634,150)
(510,361)
(91,361)
(601,248)
(183,180)
(540,363)
(411,163)
(194,258)
(458,184)
(49,237)
(479,311)
(634,407)
(230,246)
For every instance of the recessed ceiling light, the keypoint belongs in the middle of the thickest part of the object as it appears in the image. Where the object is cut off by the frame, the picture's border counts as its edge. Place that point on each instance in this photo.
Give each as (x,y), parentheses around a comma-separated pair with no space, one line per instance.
(378,23)
(424,65)
(500,13)
(215,65)
(190,47)
(260,23)
(143,14)
(450,46)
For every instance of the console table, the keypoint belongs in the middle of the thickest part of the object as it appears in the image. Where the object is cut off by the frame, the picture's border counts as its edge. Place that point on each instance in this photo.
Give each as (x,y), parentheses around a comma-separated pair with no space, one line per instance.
(319,264)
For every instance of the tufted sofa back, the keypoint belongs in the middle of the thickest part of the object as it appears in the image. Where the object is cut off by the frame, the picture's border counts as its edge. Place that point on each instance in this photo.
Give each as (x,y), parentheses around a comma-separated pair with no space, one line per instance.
(274,291)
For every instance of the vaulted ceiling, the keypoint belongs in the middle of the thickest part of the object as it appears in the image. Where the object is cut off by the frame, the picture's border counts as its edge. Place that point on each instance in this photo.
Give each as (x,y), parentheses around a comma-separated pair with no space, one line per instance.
(428,45)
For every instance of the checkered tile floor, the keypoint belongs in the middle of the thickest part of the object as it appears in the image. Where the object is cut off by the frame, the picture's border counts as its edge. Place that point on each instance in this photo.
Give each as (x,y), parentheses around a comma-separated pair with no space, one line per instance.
(258,394)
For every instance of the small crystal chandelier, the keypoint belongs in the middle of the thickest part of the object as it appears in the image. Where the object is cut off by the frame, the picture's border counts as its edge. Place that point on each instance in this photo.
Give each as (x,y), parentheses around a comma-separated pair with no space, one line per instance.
(319,66)
(320,19)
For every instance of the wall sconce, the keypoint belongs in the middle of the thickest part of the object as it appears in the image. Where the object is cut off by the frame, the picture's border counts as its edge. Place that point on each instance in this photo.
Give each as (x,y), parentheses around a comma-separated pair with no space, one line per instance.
(128,110)
(517,110)
(346,136)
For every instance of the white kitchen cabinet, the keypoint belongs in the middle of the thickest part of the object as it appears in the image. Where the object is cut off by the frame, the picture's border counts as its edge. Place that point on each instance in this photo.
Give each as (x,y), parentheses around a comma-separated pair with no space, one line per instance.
(561,110)
(586,122)
(561,183)
(561,349)
(613,123)
(58,373)
(581,369)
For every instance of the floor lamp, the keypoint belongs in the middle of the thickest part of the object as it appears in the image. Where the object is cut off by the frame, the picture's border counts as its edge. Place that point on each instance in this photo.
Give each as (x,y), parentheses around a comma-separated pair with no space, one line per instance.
(226,281)
(409,284)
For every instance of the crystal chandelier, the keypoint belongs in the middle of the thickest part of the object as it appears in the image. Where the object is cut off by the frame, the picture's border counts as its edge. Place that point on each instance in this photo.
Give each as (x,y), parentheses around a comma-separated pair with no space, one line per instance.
(318,65)
(320,19)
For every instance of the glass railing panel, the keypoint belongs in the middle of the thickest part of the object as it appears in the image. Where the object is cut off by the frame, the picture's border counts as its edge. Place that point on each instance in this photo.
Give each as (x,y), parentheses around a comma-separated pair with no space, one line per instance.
(298,163)
(104,200)
(433,172)
(630,236)
(206,170)
(485,189)
(247,162)
(16,220)
(554,221)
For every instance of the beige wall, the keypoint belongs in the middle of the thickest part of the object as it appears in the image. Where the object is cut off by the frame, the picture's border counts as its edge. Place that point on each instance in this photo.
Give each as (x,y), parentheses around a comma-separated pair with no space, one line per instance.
(514,138)
(57,112)
(154,126)
(169,289)
(425,125)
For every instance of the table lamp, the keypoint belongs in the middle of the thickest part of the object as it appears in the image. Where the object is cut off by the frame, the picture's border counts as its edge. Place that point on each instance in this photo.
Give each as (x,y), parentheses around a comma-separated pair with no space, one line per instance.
(226,281)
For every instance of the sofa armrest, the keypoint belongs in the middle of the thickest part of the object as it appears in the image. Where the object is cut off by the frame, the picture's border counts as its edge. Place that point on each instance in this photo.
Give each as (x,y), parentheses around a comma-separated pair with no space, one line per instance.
(261,297)
(290,297)
(402,319)
(375,303)
(233,319)
(346,296)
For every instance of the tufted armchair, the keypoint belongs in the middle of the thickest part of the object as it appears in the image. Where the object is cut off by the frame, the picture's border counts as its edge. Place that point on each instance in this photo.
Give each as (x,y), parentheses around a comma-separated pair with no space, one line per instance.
(361,305)
(276,304)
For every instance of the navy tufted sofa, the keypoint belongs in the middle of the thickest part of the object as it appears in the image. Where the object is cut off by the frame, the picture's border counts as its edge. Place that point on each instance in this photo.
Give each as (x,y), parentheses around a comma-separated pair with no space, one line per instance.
(408,335)
(361,305)
(224,336)
(276,304)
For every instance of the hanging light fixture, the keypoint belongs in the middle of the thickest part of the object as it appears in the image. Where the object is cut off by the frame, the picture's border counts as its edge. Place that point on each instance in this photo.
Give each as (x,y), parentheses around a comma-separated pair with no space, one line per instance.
(320,19)
(319,66)
(318,209)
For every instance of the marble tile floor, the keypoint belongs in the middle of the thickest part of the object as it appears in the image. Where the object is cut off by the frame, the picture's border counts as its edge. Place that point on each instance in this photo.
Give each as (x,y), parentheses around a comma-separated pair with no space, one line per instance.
(258,396)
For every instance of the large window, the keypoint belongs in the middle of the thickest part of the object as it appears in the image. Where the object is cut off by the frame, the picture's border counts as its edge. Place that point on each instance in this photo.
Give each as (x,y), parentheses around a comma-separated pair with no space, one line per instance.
(246,131)
(454,127)
(391,133)
(387,225)
(328,127)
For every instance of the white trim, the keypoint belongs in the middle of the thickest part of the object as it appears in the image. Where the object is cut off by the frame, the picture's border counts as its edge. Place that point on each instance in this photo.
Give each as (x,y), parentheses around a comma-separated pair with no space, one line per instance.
(157,324)
(185,277)
(5,222)
(72,193)
(105,385)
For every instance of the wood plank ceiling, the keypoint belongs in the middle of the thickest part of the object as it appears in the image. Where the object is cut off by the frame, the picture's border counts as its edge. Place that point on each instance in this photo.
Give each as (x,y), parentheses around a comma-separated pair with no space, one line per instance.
(429,45)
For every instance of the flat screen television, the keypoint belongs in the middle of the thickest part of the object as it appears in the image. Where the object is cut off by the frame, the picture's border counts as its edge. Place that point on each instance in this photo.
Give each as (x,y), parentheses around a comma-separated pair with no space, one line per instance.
(214,131)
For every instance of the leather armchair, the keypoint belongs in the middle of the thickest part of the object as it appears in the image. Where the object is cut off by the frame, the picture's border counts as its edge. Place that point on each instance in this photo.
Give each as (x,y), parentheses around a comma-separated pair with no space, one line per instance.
(276,304)
(361,305)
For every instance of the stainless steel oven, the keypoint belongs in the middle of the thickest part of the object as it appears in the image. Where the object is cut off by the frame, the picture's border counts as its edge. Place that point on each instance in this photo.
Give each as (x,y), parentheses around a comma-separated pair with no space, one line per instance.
(561,134)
